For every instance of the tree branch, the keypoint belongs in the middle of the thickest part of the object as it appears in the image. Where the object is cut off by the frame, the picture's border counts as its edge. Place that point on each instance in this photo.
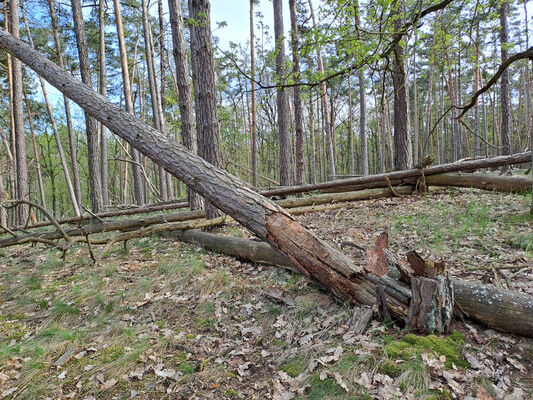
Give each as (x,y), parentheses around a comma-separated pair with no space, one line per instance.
(519,56)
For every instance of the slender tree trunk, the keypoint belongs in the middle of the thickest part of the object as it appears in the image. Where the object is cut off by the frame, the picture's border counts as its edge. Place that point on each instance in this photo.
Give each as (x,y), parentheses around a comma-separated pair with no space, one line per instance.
(282,97)
(416,147)
(3,214)
(312,134)
(351,156)
(61,153)
(138,184)
(429,109)
(90,122)
(35,153)
(70,130)
(362,107)
(188,134)
(203,75)
(477,149)
(158,119)
(254,107)
(504,88)
(529,109)
(102,83)
(325,111)
(456,133)
(162,65)
(299,154)
(402,150)
(23,191)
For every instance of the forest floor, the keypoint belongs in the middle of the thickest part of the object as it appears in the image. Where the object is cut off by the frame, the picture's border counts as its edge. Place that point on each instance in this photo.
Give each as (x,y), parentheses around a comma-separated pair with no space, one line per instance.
(169,320)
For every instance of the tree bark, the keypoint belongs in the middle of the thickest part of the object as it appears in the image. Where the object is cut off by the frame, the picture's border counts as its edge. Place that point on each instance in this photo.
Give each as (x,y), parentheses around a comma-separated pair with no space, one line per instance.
(402,147)
(203,77)
(102,85)
(254,107)
(188,134)
(297,101)
(23,190)
(90,122)
(363,164)
(282,97)
(504,88)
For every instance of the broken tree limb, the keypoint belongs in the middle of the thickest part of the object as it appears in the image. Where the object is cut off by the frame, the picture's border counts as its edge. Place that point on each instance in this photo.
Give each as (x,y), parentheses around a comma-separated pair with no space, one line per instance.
(268,221)
(499,309)
(397,177)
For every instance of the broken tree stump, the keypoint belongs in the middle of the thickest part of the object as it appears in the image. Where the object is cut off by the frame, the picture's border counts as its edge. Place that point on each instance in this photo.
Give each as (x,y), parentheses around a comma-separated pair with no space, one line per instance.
(431,308)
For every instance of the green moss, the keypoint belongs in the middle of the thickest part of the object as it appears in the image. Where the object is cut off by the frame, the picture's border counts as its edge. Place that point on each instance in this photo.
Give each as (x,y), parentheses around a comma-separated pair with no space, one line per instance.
(294,366)
(412,346)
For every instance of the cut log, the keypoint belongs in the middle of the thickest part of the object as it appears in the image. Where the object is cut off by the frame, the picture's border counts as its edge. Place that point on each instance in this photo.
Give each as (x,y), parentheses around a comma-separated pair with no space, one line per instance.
(397,177)
(503,310)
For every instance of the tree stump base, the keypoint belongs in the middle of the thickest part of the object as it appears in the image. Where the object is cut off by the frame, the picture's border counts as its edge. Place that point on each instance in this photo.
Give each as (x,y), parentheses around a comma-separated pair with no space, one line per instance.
(431,308)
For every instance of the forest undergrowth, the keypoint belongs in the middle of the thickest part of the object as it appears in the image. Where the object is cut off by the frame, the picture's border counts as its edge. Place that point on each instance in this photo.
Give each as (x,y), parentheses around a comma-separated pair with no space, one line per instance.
(162,319)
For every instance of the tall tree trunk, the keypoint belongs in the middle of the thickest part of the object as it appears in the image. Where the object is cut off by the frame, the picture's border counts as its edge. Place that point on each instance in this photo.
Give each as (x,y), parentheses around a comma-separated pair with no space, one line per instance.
(282,97)
(70,129)
(416,147)
(23,191)
(351,156)
(325,110)
(3,214)
(429,108)
(456,133)
(157,112)
(90,122)
(188,134)
(402,148)
(504,88)
(61,153)
(203,76)
(529,109)
(312,134)
(254,107)
(138,183)
(35,153)
(363,167)
(162,90)
(102,85)
(477,149)
(299,154)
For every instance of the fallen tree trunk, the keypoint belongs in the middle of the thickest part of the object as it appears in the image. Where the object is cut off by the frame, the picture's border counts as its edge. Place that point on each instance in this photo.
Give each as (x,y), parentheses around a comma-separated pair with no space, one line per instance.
(511,184)
(271,223)
(398,177)
(111,214)
(499,309)
(295,207)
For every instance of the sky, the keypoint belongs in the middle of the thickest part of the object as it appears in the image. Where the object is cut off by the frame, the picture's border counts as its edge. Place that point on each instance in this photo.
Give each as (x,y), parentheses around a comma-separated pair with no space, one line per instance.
(236,13)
